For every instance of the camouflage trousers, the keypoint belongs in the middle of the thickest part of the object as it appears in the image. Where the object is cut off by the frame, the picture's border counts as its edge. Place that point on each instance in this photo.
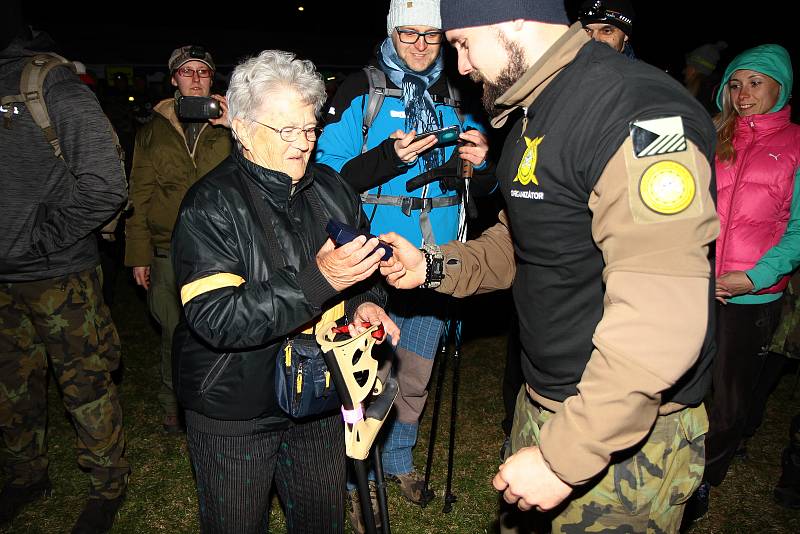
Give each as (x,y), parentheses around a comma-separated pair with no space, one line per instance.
(643,491)
(64,322)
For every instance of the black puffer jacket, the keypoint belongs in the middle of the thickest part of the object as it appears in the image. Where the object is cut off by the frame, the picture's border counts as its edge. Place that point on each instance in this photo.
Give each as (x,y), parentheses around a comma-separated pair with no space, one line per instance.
(224,350)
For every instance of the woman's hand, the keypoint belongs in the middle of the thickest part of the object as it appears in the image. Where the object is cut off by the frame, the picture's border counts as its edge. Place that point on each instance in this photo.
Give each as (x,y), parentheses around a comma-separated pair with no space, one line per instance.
(475,147)
(373,314)
(223,120)
(349,264)
(732,284)
(408,150)
(406,268)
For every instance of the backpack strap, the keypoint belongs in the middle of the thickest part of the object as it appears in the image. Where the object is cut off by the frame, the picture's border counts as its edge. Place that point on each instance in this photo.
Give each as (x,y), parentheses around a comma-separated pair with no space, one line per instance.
(31,86)
(455,100)
(377,92)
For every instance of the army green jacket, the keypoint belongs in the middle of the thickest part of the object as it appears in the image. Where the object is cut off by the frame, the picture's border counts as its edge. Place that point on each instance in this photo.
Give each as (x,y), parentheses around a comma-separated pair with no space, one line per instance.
(164,168)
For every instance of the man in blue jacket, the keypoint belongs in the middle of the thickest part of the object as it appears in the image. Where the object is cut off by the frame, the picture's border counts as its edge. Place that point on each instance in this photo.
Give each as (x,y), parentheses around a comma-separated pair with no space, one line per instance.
(378,157)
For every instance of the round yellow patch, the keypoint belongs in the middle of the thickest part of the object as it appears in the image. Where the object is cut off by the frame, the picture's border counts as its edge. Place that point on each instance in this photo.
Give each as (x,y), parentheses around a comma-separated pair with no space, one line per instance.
(667,187)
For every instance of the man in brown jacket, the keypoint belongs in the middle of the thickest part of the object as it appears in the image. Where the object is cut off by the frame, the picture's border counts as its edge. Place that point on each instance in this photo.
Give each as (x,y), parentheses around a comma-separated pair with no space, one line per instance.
(604,240)
(170,155)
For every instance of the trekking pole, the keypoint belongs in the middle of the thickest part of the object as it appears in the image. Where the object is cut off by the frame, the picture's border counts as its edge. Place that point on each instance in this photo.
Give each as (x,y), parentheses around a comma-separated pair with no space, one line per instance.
(449,497)
(354,373)
(380,487)
(427,493)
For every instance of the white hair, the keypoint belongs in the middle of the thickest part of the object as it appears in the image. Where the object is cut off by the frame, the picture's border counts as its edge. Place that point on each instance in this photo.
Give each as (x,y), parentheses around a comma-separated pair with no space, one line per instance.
(270,73)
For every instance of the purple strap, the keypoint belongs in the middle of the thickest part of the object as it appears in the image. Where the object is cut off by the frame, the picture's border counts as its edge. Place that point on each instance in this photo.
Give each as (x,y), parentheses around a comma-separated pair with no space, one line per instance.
(353,416)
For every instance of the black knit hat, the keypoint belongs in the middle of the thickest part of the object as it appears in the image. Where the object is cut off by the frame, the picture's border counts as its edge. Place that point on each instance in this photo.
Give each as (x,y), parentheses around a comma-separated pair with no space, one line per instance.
(618,13)
(468,13)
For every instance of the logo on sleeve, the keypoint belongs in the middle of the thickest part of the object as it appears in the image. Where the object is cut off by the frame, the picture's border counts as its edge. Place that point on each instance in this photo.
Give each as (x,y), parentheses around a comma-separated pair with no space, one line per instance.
(657,136)
(667,187)
(526,172)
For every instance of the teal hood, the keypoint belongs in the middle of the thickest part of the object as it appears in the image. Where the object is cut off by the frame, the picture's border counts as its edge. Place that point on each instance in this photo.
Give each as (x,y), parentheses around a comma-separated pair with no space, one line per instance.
(770,59)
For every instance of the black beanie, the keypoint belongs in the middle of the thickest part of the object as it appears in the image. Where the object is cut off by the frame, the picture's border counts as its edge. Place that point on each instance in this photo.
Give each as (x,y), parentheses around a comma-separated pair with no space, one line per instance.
(468,13)
(617,13)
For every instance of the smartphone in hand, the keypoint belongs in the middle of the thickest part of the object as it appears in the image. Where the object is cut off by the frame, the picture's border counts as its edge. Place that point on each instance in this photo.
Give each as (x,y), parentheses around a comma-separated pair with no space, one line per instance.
(342,233)
(444,136)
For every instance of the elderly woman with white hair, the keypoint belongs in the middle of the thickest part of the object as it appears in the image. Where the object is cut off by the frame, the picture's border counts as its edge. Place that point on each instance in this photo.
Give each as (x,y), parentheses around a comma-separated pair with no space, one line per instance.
(256,270)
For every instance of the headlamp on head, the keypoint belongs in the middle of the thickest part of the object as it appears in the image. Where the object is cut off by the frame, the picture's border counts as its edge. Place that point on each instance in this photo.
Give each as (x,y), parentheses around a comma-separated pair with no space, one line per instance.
(616,13)
(197,52)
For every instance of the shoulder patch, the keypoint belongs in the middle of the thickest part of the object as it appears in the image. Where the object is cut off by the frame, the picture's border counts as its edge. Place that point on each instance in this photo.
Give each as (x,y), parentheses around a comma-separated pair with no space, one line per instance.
(663,188)
(667,187)
(657,136)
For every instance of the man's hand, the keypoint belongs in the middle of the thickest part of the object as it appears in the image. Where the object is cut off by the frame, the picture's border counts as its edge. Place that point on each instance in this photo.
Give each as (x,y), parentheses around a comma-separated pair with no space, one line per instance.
(407,150)
(142,276)
(732,284)
(527,481)
(349,264)
(406,268)
(475,147)
(371,313)
(223,120)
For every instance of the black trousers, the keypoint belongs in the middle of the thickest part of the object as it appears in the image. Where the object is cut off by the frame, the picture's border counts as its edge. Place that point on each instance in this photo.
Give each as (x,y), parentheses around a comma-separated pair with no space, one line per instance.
(235,473)
(743,376)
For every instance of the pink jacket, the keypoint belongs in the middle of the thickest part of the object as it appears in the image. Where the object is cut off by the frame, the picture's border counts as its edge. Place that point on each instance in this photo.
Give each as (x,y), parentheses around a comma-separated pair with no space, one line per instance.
(754,192)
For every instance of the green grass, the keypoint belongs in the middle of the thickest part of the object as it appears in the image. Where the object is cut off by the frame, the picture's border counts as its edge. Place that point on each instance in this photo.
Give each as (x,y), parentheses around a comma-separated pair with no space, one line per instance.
(161,496)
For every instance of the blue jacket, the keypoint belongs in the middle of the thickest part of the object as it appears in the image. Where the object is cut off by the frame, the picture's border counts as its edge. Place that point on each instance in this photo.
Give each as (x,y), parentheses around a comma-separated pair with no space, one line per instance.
(340,148)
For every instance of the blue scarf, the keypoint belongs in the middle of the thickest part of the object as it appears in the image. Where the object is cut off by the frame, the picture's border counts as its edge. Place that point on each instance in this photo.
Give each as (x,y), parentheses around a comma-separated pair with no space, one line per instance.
(419,108)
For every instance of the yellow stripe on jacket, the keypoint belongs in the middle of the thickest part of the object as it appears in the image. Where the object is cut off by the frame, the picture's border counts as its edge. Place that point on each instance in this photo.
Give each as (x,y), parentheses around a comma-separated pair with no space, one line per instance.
(209,283)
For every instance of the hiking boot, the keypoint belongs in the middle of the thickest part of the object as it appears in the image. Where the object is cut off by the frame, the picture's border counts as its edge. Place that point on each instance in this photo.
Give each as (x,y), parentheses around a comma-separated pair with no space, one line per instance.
(787,491)
(354,512)
(98,515)
(14,498)
(697,506)
(412,486)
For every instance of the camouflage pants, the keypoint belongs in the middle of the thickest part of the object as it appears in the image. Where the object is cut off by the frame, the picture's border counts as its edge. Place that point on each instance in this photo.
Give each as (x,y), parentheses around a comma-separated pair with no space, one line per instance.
(63,320)
(644,491)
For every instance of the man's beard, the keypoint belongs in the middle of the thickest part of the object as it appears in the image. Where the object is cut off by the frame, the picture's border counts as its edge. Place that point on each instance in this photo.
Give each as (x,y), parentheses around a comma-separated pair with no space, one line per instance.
(513,71)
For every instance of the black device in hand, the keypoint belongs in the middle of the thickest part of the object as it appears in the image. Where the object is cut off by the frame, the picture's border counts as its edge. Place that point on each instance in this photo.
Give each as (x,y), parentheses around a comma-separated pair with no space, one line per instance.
(444,136)
(199,108)
(342,233)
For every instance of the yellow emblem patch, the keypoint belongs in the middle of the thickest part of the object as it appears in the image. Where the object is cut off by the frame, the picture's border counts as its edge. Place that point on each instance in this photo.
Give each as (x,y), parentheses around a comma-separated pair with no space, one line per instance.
(527,167)
(667,187)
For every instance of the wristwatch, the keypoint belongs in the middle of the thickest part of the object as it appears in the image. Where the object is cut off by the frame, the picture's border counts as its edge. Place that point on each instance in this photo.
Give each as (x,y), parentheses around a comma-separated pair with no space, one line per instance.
(434,266)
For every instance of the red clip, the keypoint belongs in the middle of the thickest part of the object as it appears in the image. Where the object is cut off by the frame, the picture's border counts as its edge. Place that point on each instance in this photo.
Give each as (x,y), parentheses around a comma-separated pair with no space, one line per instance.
(377,334)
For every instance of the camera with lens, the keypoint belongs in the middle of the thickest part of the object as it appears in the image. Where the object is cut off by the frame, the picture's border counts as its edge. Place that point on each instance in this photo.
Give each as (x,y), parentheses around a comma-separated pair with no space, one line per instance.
(198,108)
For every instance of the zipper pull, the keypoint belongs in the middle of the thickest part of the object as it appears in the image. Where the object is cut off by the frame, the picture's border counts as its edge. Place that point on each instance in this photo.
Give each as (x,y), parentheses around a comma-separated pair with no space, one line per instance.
(287,355)
(299,382)
(327,379)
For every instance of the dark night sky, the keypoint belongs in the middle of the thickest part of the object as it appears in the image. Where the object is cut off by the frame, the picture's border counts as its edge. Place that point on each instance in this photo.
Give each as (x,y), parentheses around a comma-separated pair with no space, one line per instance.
(331,34)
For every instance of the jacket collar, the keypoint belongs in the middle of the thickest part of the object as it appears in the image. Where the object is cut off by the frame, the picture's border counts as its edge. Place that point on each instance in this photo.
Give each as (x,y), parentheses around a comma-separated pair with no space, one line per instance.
(278,185)
(764,123)
(537,77)
(166,108)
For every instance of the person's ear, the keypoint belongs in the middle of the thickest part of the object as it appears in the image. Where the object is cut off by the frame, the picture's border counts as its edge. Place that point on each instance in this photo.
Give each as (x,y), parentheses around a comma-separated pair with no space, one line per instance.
(241,132)
(173,81)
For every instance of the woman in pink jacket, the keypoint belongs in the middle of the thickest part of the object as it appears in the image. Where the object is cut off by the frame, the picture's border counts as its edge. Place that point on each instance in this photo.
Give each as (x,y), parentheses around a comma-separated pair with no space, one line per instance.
(758,201)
